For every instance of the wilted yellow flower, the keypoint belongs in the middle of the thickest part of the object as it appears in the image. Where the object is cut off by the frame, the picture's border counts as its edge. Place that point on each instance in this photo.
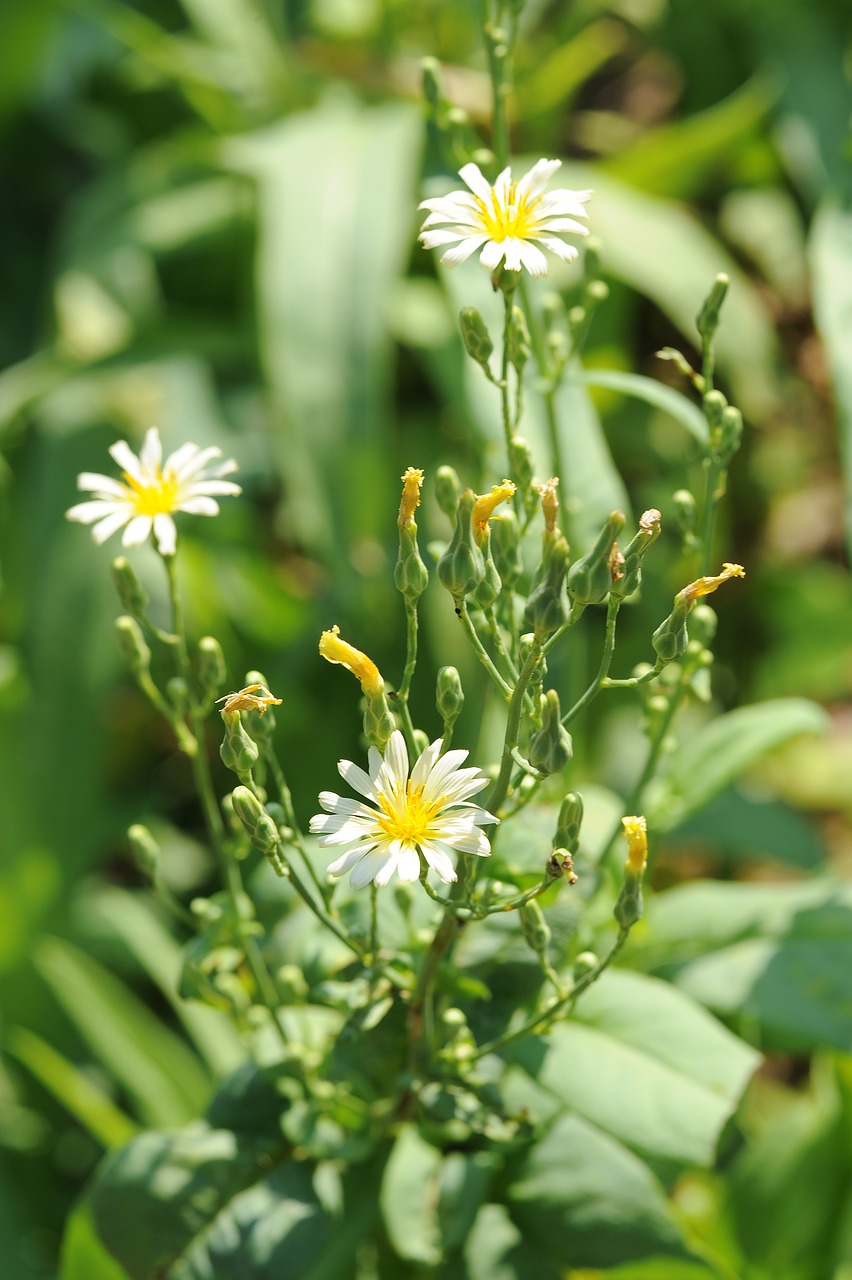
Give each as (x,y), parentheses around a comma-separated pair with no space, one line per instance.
(704,586)
(483,508)
(343,654)
(255,697)
(549,502)
(412,482)
(636,835)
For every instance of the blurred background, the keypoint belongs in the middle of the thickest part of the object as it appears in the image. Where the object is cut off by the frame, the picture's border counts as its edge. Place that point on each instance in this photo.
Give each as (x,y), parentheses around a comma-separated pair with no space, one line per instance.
(208,220)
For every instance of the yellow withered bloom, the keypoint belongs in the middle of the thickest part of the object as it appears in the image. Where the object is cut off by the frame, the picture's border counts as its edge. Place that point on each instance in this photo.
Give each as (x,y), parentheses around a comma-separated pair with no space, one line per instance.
(483,508)
(549,502)
(412,483)
(704,586)
(341,653)
(636,835)
(255,697)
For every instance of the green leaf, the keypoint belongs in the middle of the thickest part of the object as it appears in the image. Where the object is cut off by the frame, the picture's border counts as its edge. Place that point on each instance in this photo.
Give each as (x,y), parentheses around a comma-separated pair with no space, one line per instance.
(328,262)
(660,249)
(645,1065)
(775,958)
(587,1201)
(831,265)
(655,393)
(209,1204)
(496,1250)
(465,1178)
(746,827)
(409,1198)
(83,1255)
(86,1101)
(157,1069)
(591,485)
(721,750)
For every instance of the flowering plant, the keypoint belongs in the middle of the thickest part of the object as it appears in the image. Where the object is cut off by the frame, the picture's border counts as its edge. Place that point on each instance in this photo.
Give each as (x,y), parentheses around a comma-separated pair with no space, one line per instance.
(447,1071)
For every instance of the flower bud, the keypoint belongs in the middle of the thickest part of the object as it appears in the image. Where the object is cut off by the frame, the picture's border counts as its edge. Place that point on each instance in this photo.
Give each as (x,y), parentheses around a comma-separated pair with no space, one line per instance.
(629,906)
(447,491)
(239,752)
(684,509)
(729,434)
(506,547)
(145,850)
(535,928)
(714,405)
(703,623)
(546,611)
(519,340)
(590,578)
(130,591)
(550,747)
(671,637)
(378,721)
(630,575)
(449,695)
(210,666)
(132,644)
(521,463)
(568,824)
(486,592)
(177,693)
(585,963)
(430,69)
(462,567)
(707,320)
(560,866)
(410,575)
(476,338)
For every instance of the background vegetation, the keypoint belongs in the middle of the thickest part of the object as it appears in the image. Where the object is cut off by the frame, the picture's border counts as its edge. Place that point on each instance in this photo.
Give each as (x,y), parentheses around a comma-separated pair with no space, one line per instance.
(209,224)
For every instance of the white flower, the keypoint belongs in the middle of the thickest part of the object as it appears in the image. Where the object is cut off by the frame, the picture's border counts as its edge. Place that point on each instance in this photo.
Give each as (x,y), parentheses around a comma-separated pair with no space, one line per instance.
(152,490)
(426,811)
(505,219)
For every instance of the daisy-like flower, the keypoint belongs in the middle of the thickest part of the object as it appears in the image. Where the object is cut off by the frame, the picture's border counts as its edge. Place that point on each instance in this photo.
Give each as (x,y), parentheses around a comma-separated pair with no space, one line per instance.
(426,810)
(151,490)
(505,219)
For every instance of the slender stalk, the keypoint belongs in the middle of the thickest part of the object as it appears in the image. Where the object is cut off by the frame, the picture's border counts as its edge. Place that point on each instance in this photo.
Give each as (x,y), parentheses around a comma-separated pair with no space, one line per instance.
(505,403)
(497,636)
(500,789)
(411,629)
(714,473)
(573,618)
(482,652)
(497,67)
(595,687)
(286,800)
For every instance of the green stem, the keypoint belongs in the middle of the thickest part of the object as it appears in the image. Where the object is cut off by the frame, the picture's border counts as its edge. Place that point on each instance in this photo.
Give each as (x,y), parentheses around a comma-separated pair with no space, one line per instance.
(481,651)
(714,473)
(411,628)
(497,67)
(513,724)
(595,687)
(496,635)
(505,404)
(574,617)
(286,799)
(555,1007)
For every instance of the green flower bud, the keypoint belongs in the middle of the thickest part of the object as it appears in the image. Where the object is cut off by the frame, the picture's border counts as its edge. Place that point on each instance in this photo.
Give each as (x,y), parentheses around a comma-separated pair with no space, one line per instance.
(629,904)
(132,644)
(707,320)
(730,434)
(259,826)
(684,509)
(449,695)
(521,462)
(519,340)
(550,748)
(714,405)
(569,822)
(506,547)
(585,963)
(411,577)
(560,866)
(486,592)
(476,338)
(130,591)
(462,566)
(239,752)
(590,578)
(145,850)
(378,721)
(178,694)
(210,666)
(703,624)
(447,491)
(535,928)
(671,637)
(546,611)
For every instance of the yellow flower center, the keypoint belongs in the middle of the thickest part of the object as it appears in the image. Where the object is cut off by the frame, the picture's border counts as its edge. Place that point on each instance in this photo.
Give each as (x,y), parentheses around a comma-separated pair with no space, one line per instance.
(411,822)
(155,499)
(516,220)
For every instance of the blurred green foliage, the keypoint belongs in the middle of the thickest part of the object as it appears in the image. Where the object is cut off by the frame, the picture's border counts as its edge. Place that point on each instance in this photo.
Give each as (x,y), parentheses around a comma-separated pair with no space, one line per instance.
(208,223)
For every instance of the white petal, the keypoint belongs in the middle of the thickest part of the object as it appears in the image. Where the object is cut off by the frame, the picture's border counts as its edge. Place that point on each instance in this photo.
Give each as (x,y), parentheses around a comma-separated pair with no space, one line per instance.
(358,779)
(396,760)
(408,865)
(566,252)
(342,864)
(151,453)
(103,485)
(455,792)
(338,828)
(197,462)
(368,868)
(471,175)
(492,254)
(512,249)
(108,526)
(209,488)
(564,201)
(534,260)
(475,842)
(386,871)
(165,532)
(561,224)
(453,200)
(424,763)
(502,186)
(536,179)
(86,512)
(434,239)
(126,459)
(462,251)
(439,860)
(333,803)
(448,763)
(137,531)
(180,457)
(199,506)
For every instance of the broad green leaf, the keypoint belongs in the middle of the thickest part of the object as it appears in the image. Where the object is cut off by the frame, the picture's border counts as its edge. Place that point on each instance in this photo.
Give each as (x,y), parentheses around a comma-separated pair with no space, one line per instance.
(159,1071)
(745,826)
(674,159)
(208,1204)
(646,1066)
(775,958)
(831,266)
(662,250)
(802,1146)
(496,1250)
(590,484)
(132,920)
(587,1201)
(409,1198)
(465,1178)
(655,393)
(336,197)
(83,1255)
(721,750)
(561,73)
(86,1101)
